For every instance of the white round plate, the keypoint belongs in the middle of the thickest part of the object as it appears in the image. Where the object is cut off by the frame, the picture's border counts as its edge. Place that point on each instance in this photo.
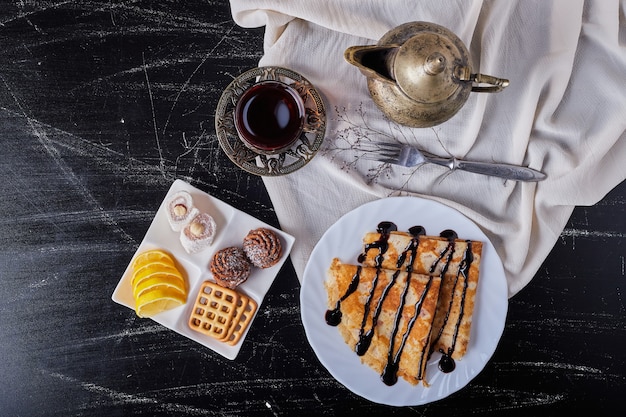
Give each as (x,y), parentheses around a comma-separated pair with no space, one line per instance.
(343,240)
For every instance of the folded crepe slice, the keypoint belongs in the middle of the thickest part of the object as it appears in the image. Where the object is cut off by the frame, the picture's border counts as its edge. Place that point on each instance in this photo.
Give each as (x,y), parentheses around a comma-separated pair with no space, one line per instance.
(457,261)
(384,316)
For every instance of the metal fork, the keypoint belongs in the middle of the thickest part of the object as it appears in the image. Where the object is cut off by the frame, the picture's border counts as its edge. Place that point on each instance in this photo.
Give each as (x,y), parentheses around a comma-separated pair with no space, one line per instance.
(409,156)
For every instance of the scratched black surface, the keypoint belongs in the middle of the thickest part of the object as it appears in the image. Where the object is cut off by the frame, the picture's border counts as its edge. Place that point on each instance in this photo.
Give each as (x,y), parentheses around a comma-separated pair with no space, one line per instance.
(102,105)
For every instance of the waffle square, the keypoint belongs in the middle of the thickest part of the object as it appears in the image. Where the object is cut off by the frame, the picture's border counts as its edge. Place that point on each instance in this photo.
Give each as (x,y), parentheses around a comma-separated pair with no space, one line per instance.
(213,310)
(244,311)
(221,313)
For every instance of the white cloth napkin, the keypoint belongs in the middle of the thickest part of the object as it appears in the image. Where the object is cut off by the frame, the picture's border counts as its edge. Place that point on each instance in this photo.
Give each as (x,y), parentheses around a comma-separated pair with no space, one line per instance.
(564,113)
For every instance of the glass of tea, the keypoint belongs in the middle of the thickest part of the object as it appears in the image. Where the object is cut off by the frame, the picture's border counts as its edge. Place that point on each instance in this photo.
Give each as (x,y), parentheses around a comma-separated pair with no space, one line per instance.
(269,117)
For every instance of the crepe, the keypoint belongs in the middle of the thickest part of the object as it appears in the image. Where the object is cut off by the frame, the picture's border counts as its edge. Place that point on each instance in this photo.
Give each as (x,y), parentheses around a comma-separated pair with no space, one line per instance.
(457,261)
(364,302)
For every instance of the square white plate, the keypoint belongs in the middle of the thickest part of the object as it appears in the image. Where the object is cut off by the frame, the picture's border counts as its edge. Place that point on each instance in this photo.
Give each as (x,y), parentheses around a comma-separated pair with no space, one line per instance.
(232,226)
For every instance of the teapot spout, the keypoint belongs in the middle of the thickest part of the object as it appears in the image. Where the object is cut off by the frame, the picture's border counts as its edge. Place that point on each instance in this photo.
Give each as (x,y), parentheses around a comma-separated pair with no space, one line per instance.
(373,61)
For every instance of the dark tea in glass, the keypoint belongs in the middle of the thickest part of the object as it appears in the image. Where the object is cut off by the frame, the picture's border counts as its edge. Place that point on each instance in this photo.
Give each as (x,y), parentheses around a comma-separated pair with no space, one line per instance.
(269,116)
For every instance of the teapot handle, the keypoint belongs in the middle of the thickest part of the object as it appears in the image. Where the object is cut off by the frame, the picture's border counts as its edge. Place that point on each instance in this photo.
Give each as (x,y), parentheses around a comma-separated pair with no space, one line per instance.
(497,84)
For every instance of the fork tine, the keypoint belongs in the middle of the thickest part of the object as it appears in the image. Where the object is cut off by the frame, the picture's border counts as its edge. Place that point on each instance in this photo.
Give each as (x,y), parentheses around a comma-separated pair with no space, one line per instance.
(380,146)
(391,159)
(388,154)
(385,152)
(374,155)
(392,146)
(365,147)
(378,158)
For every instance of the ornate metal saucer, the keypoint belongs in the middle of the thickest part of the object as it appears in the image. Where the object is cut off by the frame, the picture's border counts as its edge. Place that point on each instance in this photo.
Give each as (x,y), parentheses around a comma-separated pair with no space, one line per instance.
(302,150)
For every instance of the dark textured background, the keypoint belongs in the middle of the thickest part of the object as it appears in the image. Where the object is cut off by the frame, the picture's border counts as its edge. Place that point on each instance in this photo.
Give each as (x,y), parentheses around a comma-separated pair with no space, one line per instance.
(102,105)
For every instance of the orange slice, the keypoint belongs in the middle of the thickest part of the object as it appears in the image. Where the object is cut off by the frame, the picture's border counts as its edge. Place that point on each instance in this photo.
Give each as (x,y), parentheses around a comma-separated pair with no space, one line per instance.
(160,279)
(158,285)
(153,268)
(150,256)
(158,300)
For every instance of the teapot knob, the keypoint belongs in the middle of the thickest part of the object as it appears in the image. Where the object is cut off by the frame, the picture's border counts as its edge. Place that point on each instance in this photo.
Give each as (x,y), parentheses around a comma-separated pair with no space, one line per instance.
(435,64)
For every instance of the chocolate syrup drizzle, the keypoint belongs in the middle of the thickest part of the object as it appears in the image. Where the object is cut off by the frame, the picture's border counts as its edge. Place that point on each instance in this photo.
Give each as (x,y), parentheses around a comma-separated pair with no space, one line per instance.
(333,317)
(446,363)
(382,244)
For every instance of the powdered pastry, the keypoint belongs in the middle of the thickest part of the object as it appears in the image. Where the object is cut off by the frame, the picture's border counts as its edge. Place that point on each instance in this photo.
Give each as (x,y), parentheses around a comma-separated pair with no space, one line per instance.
(262,246)
(198,234)
(230,267)
(180,210)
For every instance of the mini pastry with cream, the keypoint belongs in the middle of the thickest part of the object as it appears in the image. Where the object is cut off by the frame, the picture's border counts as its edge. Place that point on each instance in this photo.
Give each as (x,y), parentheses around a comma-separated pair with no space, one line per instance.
(198,234)
(180,210)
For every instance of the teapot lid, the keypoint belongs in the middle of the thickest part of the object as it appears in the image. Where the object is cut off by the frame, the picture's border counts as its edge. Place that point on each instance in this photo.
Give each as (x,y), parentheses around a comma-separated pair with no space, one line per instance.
(427,65)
